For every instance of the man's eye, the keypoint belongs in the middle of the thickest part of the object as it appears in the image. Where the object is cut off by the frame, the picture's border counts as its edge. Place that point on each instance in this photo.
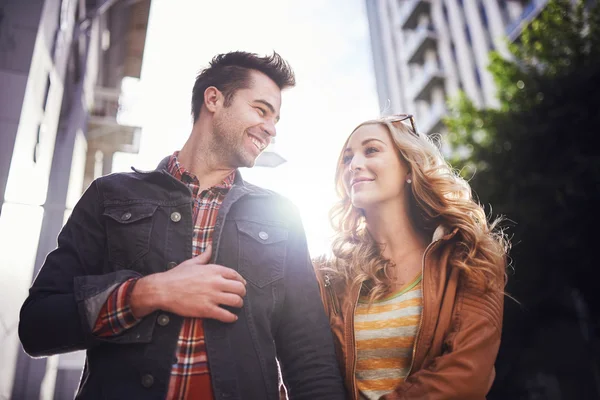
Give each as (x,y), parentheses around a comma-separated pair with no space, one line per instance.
(261,112)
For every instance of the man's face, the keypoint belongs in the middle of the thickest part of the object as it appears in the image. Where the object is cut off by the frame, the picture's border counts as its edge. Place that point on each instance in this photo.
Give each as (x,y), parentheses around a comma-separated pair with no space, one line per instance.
(245,128)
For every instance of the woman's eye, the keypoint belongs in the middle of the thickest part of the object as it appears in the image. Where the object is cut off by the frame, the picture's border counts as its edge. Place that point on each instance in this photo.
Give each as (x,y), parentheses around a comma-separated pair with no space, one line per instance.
(370,150)
(346,159)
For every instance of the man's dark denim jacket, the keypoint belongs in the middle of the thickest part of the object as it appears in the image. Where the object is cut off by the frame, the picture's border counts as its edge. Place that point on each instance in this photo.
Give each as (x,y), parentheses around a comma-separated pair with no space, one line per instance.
(257,233)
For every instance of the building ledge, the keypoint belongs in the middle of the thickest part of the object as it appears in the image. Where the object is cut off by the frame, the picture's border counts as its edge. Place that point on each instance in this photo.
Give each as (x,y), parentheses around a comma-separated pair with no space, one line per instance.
(410,11)
(423,39)
(530,12)
(433,121)
(269,159)
(431,76)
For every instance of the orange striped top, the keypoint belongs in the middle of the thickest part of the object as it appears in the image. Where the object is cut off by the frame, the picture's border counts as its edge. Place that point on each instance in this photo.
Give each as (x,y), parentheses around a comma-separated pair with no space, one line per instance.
(385,334)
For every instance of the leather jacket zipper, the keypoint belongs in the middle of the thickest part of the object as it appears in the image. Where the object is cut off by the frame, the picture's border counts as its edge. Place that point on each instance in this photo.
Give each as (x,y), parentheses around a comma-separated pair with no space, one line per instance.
(414,351)
(354,389)
(332,296)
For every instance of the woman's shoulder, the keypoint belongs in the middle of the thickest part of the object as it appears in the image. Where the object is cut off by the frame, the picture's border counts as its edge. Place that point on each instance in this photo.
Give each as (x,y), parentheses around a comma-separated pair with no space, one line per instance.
(327,270)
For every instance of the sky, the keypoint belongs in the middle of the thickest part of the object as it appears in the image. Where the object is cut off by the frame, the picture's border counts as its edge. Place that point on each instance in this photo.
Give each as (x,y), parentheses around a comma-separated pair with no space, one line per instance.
(327,44)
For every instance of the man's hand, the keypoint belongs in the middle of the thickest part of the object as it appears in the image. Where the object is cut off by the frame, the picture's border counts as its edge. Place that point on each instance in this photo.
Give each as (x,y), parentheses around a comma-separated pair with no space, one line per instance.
(194,288)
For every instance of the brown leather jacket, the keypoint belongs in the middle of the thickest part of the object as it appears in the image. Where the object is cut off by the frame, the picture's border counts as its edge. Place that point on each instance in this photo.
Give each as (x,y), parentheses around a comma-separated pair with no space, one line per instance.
(458,338)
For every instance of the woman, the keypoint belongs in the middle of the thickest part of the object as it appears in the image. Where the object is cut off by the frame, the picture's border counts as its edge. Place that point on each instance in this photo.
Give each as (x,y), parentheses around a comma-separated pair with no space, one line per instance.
(414,289)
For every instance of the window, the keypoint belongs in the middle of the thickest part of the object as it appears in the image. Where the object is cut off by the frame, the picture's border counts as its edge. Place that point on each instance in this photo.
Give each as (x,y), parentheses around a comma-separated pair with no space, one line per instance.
(445,11)
(504,11)
(36,146)
(491,42)
(46,93)
(468,35)
(484,18)
(477,77)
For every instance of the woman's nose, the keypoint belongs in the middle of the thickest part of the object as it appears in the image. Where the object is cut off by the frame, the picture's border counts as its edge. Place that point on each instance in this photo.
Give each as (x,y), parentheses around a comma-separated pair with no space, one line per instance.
(356,163)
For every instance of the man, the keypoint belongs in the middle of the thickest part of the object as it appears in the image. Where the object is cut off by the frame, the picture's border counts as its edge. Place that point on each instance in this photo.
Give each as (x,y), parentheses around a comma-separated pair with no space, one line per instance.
(159,324)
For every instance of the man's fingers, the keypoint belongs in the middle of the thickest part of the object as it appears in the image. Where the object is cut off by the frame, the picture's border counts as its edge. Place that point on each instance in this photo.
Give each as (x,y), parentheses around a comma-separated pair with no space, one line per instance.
(229,273)
(230,299)
(233,287)
(221,314)
(204,258)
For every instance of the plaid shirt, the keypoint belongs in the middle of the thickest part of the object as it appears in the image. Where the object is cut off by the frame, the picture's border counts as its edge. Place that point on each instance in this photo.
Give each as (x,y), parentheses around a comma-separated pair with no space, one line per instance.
(190,378)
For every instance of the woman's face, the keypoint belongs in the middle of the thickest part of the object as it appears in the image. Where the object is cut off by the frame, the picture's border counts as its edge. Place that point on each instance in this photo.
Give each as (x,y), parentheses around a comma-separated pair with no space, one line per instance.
(373,171)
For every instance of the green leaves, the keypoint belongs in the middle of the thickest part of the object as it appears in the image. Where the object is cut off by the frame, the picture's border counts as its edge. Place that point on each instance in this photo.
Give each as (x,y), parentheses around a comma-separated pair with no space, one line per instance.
(534,157)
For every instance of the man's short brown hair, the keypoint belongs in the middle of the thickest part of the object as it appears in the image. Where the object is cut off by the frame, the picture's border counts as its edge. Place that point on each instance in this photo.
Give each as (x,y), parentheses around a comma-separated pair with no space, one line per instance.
(230,72)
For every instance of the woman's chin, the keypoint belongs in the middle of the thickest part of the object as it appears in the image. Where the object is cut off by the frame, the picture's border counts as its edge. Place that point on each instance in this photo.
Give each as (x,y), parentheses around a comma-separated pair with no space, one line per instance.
(362,202)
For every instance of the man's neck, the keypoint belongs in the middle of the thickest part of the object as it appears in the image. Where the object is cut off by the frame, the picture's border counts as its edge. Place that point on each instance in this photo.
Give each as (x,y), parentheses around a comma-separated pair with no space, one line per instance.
(195,157)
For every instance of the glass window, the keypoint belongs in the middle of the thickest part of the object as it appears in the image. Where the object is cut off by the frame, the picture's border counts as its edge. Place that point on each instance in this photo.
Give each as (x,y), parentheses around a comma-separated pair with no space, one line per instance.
(483,14)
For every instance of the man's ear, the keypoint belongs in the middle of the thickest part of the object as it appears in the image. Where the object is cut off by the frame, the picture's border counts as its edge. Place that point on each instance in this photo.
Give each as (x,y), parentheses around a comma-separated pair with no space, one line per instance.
(213,98)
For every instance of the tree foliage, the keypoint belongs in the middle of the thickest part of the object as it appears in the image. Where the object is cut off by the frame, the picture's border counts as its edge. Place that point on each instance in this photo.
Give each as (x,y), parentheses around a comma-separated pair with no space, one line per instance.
(535,158)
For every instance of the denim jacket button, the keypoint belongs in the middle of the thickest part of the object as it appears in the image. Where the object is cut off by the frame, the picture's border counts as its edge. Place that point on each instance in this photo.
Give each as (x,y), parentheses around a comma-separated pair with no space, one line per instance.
(171,265)
(126,216)
(175,217)
(147,380)
(163,320)
(263,235)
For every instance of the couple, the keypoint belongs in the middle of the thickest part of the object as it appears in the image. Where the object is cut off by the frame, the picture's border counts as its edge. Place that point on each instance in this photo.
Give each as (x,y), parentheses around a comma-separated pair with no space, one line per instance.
(187,282)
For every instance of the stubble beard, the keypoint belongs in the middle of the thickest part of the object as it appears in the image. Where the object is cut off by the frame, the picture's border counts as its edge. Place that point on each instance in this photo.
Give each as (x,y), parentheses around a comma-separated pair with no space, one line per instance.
(228,147)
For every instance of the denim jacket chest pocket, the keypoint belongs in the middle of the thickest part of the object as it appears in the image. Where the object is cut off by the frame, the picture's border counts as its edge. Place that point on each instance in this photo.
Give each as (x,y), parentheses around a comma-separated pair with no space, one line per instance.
(128,229)
(262,251)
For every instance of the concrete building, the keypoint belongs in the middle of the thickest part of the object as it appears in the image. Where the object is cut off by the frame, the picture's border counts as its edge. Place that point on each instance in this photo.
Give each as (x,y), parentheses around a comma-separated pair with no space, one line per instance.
(62,63)
(427,50)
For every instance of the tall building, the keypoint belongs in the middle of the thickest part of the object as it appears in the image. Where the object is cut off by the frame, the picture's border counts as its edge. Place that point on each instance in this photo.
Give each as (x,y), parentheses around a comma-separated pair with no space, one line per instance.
(62,66)
(427,50)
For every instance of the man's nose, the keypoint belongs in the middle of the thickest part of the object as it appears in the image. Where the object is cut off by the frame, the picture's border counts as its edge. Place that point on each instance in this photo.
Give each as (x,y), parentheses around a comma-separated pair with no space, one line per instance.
(269,128)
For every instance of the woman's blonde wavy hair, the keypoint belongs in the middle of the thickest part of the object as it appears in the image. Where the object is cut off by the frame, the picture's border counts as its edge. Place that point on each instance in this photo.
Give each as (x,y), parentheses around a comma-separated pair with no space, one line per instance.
(438,196)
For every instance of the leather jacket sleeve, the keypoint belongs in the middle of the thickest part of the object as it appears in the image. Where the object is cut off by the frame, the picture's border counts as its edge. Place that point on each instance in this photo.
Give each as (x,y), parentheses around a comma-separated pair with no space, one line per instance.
(70,289)
(465,370)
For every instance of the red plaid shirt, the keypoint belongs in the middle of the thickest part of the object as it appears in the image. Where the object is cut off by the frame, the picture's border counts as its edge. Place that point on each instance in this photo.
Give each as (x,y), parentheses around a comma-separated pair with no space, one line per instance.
(190,378)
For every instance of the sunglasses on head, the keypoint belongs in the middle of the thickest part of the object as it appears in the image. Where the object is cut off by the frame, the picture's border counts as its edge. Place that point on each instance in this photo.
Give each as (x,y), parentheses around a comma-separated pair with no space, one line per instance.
(402,117)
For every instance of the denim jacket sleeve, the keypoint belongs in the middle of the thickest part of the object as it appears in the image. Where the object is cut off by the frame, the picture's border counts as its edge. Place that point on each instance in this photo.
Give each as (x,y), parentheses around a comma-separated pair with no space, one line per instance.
(303,338)
(72,286)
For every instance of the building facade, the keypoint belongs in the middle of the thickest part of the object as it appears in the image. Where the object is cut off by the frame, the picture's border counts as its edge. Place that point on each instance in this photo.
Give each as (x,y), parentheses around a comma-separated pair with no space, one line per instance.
(425,51)
(62,63)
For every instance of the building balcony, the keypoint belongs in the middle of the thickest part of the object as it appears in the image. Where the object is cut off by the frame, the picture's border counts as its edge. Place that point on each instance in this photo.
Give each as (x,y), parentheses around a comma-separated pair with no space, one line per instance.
(430,77)
(410,11)
(530,12)
(424,38)
(105,131)
(432,121)
(270,157)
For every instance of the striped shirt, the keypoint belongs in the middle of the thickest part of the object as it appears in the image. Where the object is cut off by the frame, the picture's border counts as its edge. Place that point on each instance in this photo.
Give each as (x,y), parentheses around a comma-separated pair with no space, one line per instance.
(190,377)
(385,333)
